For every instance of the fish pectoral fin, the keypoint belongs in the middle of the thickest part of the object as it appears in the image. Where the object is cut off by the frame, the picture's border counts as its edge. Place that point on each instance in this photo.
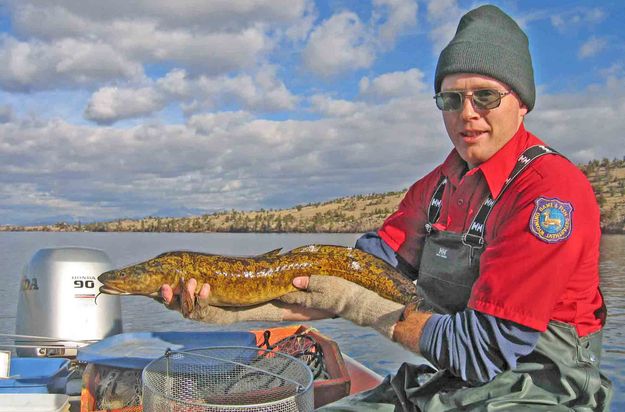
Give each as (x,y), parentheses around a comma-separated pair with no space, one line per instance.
(271,253)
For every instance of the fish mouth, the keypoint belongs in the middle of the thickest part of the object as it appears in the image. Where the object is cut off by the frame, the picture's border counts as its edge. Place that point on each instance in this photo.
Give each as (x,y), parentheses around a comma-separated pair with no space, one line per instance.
(112,291)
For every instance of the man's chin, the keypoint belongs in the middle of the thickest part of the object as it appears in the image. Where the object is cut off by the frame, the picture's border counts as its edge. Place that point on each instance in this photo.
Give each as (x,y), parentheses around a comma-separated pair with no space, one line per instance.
(473,157)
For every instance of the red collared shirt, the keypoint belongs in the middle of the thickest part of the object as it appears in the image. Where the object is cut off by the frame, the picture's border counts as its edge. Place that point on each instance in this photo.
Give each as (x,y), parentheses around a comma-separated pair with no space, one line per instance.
(523,277)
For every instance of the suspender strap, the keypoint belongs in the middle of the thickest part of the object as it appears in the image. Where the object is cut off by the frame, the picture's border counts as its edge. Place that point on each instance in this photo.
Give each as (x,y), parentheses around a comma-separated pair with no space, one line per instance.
(437,201)
(474,237)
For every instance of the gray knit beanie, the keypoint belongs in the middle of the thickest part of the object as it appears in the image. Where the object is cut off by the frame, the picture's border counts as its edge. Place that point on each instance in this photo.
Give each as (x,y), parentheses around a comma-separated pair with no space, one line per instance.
(490,43)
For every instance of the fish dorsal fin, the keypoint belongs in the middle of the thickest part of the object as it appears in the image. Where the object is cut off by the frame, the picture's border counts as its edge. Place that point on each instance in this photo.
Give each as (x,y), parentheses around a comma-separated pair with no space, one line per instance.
(308,248)
(271,253)
(171,253)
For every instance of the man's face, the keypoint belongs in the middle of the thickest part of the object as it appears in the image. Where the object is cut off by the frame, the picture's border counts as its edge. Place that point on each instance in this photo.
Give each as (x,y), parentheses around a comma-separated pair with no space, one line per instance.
(478,134)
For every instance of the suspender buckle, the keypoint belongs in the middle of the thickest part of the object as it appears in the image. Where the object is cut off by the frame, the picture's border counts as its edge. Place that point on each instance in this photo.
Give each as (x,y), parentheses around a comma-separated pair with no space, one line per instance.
(473,241)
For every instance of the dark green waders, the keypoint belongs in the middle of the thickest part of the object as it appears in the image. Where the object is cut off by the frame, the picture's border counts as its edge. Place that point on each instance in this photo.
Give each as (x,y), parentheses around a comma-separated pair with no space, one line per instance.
(561,374)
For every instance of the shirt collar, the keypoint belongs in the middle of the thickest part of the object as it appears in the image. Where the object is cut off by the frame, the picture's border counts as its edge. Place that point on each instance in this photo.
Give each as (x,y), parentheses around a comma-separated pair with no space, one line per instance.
(496,169)
(454,167)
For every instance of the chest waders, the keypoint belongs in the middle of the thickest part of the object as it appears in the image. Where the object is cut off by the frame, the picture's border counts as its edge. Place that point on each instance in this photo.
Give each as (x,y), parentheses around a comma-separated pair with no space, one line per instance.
(561,374)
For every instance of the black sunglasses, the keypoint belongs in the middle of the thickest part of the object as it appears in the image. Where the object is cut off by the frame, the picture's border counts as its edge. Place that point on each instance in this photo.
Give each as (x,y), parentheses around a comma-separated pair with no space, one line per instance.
(483,99)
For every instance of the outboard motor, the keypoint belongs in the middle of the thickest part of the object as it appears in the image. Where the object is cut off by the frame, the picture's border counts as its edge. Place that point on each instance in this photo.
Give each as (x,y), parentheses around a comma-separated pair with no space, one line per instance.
(57,310)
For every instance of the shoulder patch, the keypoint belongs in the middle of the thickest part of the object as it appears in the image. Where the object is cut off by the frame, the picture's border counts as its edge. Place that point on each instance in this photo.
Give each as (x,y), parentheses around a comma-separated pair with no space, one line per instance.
(552,220)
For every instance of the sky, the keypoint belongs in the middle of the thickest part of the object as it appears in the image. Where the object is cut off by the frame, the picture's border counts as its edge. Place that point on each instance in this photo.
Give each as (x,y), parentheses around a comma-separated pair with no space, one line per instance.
(117,109)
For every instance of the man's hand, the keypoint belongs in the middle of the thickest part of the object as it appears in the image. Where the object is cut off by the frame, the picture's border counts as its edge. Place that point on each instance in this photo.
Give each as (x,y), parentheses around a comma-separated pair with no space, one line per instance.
(182,298)
(347,300)
(409,329)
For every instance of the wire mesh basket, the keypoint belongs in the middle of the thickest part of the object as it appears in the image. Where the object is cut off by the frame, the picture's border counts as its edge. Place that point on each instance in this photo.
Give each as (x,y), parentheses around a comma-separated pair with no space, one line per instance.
(227,379)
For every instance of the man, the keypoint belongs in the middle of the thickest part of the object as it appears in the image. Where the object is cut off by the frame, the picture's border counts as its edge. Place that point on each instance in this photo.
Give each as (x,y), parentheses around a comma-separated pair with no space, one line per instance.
(503,242)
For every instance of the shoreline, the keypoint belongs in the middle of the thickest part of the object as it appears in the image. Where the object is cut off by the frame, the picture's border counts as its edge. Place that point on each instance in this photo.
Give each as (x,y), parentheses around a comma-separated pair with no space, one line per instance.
(25,230)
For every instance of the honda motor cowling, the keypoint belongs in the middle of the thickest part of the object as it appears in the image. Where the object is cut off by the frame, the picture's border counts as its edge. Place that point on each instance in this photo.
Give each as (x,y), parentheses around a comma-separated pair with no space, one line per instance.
(57,310)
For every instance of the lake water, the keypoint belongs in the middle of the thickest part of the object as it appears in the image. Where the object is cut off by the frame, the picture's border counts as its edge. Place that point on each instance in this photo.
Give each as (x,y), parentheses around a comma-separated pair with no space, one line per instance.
(143,314)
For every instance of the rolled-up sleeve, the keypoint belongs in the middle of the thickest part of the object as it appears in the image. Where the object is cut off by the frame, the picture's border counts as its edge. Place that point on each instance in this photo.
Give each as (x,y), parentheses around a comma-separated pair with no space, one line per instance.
(475,346)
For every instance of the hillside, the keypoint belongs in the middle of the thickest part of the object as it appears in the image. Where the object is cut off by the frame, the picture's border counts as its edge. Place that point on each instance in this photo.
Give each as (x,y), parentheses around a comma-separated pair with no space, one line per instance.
(607,178)
(354,214)
(348,214)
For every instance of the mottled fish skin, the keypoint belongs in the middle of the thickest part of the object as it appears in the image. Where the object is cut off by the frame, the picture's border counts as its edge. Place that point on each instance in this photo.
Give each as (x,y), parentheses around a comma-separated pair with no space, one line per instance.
(245,281)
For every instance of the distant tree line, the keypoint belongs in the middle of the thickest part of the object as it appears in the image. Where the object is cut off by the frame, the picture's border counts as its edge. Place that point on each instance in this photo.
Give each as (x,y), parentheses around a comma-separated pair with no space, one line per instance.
(350,214)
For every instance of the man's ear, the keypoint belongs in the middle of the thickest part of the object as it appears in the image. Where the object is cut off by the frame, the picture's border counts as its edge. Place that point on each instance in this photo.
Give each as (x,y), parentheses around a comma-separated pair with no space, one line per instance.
(522,106)
(522,110)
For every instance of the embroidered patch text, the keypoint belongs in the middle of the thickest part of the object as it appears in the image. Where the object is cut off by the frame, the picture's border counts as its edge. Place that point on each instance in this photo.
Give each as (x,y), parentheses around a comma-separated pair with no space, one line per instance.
(552,220)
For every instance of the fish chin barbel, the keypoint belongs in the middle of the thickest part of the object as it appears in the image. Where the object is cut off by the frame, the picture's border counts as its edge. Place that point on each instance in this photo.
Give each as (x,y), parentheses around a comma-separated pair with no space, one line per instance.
(246,281)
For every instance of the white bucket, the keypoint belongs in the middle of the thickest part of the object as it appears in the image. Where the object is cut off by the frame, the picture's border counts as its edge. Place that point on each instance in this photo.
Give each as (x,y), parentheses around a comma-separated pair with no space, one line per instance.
(33,402)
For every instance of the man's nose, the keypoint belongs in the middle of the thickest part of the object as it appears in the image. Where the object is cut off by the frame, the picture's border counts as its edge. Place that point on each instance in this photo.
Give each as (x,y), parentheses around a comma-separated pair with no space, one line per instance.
(468,107)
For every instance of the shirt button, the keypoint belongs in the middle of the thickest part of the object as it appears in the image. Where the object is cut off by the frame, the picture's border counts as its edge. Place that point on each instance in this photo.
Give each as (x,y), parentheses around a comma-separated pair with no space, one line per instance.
(460,202)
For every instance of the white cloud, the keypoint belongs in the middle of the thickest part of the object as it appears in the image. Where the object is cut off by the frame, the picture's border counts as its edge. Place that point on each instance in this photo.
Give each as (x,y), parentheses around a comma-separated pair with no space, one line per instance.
(345,43)
(176,83)
(212,53)
(145,59)
(60,17)
(390,85)
(327,106)
(301,27)
(110,104)
(575,18)
(218,122)
(68,44)
(271,93)
(338,44)
(66,63)
(591,47)
(215,161)
(396,16)
(443,16)
(14,195)
(584,125)
(88,44)
(49,21)
(234,160)
(261,92)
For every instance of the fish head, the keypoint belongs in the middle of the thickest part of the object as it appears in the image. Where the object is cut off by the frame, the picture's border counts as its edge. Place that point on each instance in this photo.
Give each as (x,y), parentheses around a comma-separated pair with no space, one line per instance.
(145,278)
